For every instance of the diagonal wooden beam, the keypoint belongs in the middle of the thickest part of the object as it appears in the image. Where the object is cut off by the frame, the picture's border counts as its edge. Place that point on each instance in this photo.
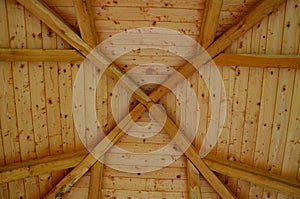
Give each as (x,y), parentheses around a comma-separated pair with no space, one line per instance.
(215,49)
(210,22)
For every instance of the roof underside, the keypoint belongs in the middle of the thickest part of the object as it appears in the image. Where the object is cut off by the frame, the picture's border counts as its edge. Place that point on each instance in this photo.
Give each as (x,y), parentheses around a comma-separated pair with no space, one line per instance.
(260,67)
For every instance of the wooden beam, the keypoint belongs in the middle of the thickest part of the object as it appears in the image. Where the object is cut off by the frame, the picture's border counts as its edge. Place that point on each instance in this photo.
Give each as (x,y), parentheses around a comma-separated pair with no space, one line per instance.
(40,166)
(278,183)
(86,21)
(96,181)
(210,23)
(9,54)
(267,61)
(193,181)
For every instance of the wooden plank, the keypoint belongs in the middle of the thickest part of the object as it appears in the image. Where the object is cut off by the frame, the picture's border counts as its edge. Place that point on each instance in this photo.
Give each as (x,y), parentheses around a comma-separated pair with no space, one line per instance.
(85,21)
(252,60)
(17,32)
(7,106)
(112,193)
(290,45)
(256,176)
(52,102)
(107,26)
(164,173)
(272,45)
(9,54)
(210,22)
(37,94)
(187,4)
(148,184)
(135,14)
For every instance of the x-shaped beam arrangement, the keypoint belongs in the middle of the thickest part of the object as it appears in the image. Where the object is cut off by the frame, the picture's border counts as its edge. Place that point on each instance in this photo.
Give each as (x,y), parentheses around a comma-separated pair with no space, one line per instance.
(262,9)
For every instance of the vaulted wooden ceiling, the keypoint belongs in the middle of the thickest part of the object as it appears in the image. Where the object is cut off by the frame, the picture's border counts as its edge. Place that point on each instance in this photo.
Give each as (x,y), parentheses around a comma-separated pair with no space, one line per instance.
(254,43)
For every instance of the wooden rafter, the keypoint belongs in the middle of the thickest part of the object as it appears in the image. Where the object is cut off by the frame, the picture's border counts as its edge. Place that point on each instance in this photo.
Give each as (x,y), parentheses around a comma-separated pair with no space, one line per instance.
(210,22)
(214,50)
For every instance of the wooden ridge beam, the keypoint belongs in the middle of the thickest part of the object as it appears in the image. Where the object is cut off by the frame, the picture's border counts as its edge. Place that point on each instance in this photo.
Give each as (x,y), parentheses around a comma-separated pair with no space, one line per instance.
(210,23)
(250,60)
(10,54)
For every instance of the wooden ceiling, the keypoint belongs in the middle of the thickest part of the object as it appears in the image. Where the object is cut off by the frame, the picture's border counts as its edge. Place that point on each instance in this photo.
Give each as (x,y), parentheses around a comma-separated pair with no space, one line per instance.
(256,46)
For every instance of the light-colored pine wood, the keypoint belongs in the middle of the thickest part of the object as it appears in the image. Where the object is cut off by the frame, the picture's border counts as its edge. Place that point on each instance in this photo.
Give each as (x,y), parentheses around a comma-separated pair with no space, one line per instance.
(194,184)
(191,153)
(272,44)
(37,94)
(252,60)
(52,103)
(119,26)
(9,54)
(188,4)
(85,21)
(290,45)
(210,22)
(40,166)
(255,176)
